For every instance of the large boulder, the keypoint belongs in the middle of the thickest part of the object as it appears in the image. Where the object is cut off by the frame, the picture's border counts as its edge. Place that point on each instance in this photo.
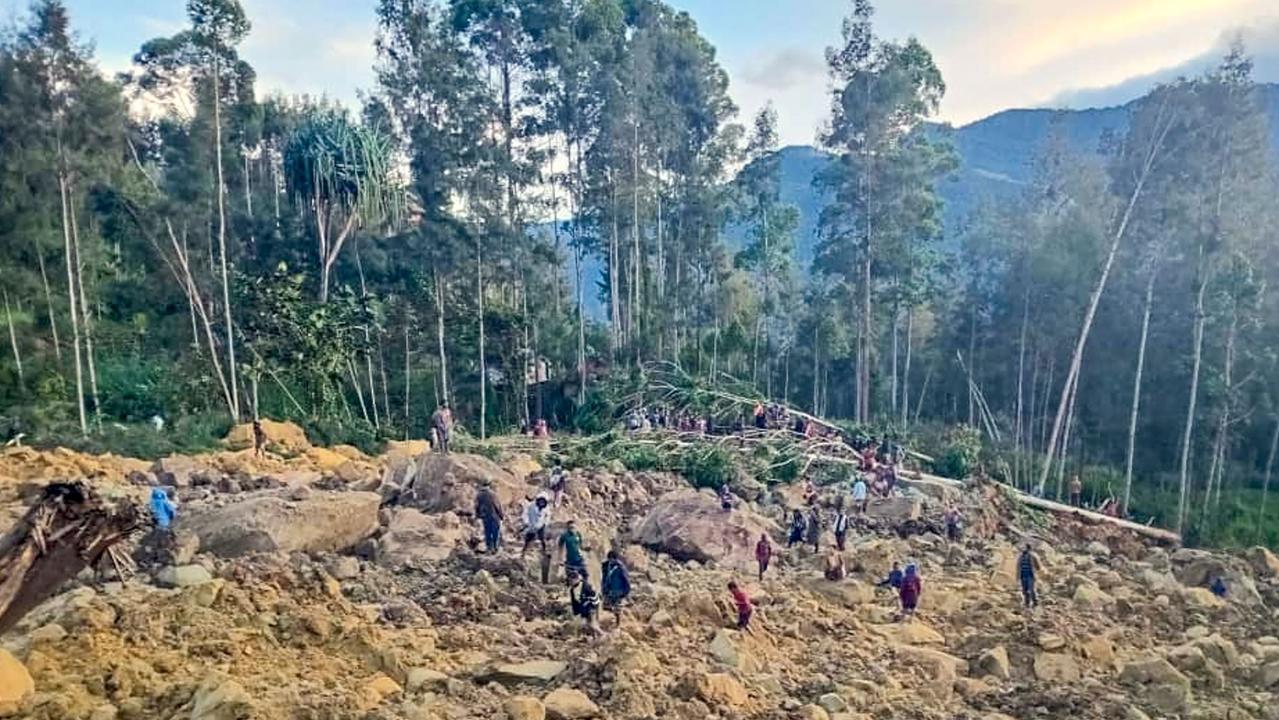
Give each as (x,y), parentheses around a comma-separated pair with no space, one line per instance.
(720,690)
(939,670)
(690,525)
(281,437)
(448,483)
(412,535)
(569,704)
(1263,562)
(530,672)
(1056,667)
(15,683)
(896,509)
(179,471)
(318,522)
(1163,685)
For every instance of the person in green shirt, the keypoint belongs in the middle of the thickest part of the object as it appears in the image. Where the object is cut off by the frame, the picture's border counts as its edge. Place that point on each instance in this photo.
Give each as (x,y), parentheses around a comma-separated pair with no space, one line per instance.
(571,543)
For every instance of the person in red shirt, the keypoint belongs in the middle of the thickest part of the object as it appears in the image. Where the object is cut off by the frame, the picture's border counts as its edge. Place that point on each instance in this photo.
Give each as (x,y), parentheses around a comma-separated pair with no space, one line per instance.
(763,553)
(744,607)
(910,590)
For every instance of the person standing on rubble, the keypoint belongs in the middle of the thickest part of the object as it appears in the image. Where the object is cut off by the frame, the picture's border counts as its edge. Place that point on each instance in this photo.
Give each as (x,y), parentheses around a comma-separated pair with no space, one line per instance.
(570,544)
(488,509)
(1027,568)
(763,554)
(953,522)
(1076,491)
(742,601)
(860,493)
(814,536)
(442,424)
(537,516)
(911,589)
(615,582)
(584,601)
(840,526)
(797,528)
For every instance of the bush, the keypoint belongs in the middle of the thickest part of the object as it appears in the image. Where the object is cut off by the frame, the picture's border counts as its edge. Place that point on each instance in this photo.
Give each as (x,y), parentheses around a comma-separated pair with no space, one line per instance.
(709,468)
(959,458)
(330,432)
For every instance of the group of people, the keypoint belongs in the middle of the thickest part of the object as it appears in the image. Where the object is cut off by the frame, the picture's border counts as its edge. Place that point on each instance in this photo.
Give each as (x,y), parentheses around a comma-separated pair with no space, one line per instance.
(584,600)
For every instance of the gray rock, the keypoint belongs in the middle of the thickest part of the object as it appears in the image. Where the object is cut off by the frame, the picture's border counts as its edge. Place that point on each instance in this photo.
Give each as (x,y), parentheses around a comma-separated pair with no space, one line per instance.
(180,576)
(320,522)
(529,672)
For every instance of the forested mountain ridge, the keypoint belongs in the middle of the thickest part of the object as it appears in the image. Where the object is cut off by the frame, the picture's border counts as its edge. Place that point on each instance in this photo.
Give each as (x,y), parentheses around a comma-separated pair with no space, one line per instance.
(997,156)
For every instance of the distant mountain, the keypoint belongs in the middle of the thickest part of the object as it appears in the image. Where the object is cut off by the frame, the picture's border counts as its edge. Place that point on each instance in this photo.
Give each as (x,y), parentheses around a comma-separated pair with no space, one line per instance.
(996,157)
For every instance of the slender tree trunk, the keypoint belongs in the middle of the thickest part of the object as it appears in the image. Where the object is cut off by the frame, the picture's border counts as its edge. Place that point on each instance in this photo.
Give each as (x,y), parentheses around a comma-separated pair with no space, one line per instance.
(13,336)
(71,301)
(439,335)
(48,301)
(1196,363)
(232,370)
(1265,484)
(910,341)
(86,317)
(1021,379)
(408,417)
(893,380)
(479,301)
(1136,387)
(614,281)
(1212,493)
(1095,299)
(972,350)
(368,342)
(863,365)
(581,329)
(817,334)
(359,391)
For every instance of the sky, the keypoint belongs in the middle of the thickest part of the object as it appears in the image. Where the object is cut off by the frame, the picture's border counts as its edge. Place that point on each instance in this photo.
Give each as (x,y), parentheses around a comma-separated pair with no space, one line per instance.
(994,54)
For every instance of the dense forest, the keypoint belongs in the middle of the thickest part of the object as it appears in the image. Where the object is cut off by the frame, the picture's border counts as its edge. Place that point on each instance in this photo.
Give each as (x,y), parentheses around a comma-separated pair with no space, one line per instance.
(178,248)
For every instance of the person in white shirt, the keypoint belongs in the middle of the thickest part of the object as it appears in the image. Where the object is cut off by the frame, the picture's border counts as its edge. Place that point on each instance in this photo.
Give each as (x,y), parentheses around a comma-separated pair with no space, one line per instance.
(859,495)
(537,517)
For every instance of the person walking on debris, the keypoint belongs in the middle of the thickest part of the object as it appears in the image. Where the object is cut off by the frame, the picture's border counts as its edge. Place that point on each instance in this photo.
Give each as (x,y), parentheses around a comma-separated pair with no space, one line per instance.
(558,481)
(615,582)
(835,568)
(725,498)
(537,516)
(743,603)
(163,509)
(894,579)
(763,554)
(761,422)
(1027,568)
(797,527)
(911,589)
(859,495)
(814,529)
(442,424)
(953,522)
(584,601)
(259,438)
(571,544)
(489,511)
(841,525)
(1076,491)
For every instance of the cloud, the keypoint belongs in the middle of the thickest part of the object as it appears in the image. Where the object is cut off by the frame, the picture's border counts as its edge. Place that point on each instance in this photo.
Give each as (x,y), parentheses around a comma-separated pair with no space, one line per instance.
(1261,41)
(783,69)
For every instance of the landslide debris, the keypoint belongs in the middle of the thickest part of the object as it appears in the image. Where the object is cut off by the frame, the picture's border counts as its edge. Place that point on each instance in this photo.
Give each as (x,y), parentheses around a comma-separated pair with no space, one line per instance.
(301,588)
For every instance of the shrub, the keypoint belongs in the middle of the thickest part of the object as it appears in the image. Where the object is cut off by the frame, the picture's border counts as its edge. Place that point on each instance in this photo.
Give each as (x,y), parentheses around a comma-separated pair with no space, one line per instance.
(959,458)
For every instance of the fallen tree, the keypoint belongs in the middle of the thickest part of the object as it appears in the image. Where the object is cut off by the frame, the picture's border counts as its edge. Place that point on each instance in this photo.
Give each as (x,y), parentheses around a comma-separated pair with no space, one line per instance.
(69,528)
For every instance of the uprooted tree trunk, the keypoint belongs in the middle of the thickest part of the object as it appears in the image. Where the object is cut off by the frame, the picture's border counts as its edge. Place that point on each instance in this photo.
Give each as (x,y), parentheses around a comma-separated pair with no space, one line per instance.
(68,529)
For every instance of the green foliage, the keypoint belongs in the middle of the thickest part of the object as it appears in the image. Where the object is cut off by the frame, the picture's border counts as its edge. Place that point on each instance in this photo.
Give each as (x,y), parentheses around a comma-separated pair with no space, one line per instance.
(356,432)
(959,458)
(710,468)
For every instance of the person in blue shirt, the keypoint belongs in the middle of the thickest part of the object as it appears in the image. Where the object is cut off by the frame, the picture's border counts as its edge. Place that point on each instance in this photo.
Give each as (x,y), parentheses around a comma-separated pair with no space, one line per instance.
(1218,587)
(163,509)
(894,579)
(1027,566)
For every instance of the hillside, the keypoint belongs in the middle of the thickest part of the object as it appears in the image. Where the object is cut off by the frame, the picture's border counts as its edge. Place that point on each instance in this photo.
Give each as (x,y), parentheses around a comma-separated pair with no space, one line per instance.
(996,156)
